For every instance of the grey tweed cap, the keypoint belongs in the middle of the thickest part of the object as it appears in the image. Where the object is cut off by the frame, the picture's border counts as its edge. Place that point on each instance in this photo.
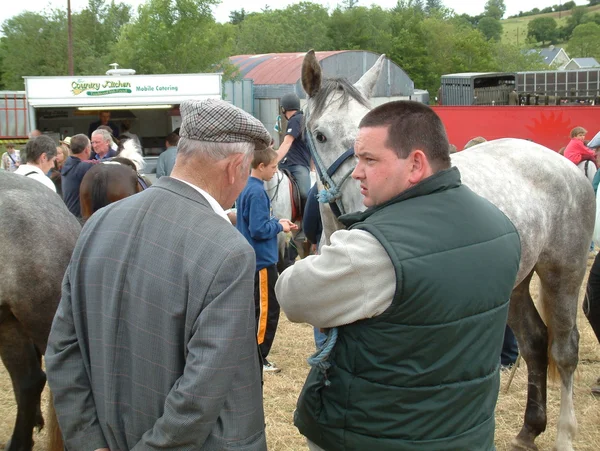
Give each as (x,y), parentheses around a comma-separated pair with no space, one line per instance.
(218,121)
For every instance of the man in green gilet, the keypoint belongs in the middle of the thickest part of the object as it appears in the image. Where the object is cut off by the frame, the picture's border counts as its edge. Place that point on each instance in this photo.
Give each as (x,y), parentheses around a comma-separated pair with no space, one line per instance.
(418,286)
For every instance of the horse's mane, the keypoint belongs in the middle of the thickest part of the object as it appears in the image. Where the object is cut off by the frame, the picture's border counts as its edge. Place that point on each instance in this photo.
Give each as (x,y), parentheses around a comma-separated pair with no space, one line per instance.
(132,152)
(103,176)
(319,101)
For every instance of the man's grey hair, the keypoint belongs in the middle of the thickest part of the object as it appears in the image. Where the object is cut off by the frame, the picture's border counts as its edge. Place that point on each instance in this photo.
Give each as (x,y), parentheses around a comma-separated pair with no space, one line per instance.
(105,135)
(214,150)
(39,145)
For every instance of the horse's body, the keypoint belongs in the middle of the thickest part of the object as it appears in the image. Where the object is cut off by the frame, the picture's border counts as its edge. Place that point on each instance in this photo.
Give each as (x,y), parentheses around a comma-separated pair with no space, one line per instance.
(546,197)
(279,191)
(112,180)
(37,237)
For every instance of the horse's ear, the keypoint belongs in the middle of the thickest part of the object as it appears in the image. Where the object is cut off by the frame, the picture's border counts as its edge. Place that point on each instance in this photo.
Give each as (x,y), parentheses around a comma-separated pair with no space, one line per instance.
(311,74)
(366,84)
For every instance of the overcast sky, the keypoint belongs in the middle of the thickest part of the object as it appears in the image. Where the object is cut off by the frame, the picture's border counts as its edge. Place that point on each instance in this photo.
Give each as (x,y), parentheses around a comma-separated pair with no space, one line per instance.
(221,12)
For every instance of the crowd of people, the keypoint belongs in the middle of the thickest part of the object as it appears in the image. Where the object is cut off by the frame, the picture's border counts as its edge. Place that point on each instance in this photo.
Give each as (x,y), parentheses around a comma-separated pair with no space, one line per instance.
(165,324)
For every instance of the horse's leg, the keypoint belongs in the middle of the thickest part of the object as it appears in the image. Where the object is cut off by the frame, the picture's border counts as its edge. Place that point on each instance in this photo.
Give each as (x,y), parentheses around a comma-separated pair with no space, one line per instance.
(22,362)
(560,289)
(532,337)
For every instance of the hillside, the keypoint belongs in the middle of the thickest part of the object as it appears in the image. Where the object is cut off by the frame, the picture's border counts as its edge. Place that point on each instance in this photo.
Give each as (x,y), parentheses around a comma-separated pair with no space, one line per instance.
(514,31)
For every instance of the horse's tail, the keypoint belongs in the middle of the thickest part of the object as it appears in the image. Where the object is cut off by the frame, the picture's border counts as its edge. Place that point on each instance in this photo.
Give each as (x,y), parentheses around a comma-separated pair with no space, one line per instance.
(133,152)
(55,440)
(99,195)
(553,374)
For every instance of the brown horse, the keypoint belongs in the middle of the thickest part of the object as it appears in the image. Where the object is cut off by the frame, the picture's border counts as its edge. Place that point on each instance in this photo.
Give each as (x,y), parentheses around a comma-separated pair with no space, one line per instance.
(107,183)
(37,237)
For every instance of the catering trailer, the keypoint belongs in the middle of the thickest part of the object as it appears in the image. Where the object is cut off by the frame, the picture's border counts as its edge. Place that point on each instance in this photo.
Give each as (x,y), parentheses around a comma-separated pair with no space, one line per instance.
(65,106)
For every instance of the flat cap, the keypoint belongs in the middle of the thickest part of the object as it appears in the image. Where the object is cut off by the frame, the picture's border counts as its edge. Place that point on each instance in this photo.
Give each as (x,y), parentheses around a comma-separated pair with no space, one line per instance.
(218,121)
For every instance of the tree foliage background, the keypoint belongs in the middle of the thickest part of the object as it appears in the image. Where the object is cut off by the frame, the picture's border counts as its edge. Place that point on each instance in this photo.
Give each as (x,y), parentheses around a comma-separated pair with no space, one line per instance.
(423,37)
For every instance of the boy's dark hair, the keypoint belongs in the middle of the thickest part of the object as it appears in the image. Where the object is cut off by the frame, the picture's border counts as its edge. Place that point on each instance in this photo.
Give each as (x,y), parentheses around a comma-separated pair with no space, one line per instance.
(79,143)
(411,126)
(264,156)
(40,145)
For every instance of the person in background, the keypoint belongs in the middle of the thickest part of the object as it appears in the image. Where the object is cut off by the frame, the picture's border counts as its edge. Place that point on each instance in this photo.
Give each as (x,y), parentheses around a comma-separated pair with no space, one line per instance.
(153,346)
(62,153)
(166,160)
(475,141)
(104,119)
(73,171)
(416,365)
(576,151)
(41,153)
(11,159)
(101,143)
(293,152)
(256,222)
(126,132)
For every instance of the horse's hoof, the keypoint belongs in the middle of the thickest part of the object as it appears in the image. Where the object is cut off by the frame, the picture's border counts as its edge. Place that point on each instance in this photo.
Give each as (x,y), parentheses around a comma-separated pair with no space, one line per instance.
(518,444)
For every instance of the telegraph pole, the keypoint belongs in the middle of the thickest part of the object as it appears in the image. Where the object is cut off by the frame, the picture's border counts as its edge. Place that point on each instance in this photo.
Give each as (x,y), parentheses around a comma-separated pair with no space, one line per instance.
(70,38)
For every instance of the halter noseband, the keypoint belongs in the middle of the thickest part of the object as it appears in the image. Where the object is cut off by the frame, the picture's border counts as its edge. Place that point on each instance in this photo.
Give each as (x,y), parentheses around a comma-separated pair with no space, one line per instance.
(332,193)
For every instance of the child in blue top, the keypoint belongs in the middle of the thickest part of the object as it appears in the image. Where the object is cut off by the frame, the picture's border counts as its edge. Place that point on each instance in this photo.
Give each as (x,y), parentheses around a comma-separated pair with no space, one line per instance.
(256,222)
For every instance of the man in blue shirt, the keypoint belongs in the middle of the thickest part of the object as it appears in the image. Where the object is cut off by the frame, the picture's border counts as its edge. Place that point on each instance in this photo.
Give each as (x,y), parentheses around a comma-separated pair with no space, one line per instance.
(256,222)
(73,171)
(293,153)
(166,160)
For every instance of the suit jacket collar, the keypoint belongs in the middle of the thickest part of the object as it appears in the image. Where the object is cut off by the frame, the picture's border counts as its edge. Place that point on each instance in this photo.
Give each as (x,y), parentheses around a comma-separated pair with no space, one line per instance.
(183,189)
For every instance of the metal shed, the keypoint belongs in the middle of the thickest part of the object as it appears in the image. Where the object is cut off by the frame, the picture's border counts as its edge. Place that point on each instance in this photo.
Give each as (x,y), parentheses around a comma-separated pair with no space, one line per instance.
(276,74)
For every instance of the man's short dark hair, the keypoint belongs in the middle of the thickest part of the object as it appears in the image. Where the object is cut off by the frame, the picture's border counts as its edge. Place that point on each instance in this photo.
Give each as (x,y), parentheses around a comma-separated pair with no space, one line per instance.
(411,126)
(172,139)
(39,145)
(79,143)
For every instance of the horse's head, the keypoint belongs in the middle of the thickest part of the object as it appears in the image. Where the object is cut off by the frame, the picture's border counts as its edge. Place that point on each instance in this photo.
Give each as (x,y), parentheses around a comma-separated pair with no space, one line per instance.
(334,110)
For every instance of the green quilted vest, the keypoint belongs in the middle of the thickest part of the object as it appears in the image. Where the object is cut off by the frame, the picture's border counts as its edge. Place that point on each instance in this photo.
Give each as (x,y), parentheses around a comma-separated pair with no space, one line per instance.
(424,374)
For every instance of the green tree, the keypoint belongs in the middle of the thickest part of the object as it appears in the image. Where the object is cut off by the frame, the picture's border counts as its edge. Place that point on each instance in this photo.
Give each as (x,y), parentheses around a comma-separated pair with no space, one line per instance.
(174,36)
(236,17)
(294,29)
(33,44)
(512,58)
(495,9)
(360,28)
(96,30)
(432,5)
(491,28)
(542,29)
(585,41)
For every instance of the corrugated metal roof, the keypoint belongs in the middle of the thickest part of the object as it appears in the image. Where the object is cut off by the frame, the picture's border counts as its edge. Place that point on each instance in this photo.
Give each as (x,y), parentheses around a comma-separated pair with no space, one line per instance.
(275,68)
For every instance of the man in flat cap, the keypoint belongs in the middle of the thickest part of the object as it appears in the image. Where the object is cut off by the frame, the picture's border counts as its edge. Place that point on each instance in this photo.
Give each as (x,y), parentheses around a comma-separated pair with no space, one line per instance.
(153,345)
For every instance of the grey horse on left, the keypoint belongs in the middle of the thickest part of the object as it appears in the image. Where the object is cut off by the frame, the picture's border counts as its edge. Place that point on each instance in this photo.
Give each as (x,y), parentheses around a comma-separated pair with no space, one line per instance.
(37,237)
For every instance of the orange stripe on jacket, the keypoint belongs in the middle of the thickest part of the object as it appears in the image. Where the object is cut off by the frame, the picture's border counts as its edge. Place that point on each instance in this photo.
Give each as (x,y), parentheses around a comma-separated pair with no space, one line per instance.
(263,299)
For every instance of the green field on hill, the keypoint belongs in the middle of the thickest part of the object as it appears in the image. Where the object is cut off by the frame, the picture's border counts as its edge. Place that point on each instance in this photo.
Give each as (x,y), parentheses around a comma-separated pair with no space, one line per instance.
(514,31)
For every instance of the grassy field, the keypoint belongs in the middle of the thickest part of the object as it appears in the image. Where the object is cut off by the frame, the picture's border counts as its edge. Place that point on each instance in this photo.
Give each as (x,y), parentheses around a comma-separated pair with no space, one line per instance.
(514,31)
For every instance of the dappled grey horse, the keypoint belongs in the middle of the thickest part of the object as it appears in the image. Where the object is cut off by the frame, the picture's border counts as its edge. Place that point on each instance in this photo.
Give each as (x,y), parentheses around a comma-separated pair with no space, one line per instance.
(540,191)
(37,237)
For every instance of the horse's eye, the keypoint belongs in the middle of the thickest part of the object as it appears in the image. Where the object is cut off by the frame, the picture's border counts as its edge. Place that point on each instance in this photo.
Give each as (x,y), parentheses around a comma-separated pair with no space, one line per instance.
(321,137)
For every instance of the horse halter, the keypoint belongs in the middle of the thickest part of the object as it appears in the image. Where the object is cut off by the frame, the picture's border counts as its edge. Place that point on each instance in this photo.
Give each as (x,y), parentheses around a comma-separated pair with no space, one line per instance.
(332,193)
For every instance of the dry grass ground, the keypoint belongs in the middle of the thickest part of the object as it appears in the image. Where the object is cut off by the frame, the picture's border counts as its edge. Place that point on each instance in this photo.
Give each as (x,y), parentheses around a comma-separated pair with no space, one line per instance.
(294,343)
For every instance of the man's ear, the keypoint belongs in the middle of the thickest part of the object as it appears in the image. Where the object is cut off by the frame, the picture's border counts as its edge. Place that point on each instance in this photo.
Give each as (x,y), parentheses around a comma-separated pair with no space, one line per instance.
(421,169)
(235,166)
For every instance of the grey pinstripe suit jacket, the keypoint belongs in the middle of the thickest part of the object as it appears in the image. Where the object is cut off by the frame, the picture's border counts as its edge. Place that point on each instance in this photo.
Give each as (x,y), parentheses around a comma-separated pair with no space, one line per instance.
(153,345)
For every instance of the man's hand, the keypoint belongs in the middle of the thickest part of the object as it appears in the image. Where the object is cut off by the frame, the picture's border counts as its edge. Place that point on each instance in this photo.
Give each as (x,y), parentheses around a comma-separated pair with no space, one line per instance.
(102,449)
(287,225)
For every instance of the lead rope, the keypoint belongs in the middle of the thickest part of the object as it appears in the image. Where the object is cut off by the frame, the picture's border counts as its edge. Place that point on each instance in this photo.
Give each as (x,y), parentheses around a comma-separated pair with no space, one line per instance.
(320,359)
